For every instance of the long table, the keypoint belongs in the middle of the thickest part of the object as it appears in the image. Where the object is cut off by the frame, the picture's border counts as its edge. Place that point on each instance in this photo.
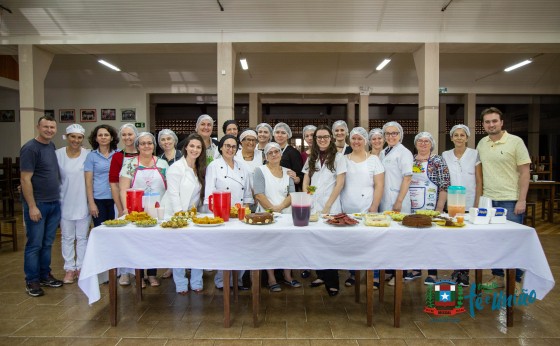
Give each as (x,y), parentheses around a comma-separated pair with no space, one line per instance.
(238,246)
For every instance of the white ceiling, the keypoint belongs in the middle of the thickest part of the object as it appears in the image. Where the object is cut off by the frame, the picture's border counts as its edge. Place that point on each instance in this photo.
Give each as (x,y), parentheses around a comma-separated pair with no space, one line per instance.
(295,46)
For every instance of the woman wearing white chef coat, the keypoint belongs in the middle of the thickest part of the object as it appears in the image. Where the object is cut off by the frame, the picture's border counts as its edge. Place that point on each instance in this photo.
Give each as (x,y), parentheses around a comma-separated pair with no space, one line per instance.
(185,189)
(464,165)
(227,173)
(397,161)
(326,169)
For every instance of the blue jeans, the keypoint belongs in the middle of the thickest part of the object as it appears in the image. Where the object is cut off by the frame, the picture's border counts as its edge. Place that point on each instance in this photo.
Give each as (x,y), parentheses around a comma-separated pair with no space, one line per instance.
(510,206)
(40,237)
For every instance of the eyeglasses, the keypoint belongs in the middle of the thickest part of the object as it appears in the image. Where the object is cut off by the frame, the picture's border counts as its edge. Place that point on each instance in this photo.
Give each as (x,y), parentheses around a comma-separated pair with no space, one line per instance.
(424,141)
(142,144)
(322,138)
(230,146)
(250,140)
(273,152)
(392,134)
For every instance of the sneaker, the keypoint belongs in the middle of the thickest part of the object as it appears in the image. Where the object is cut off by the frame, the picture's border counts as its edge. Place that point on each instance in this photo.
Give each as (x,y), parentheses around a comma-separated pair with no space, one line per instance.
(411,276)
(430,280)
(392,281)
(376,285)
(305,274)
(69,277)
(51,281)
(518,288)
(34,289)
(495,282)
(462,279)
(124,280)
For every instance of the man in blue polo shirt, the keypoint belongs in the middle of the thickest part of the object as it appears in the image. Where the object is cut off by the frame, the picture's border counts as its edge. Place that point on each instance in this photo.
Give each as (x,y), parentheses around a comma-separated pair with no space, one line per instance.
(40,183)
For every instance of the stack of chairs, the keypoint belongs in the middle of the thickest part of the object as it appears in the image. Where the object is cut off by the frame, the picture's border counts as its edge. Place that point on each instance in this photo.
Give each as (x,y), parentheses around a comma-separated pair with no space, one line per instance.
(9,182)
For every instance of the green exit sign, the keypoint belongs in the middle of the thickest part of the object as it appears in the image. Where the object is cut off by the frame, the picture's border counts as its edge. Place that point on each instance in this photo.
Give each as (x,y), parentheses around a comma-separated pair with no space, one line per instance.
(140,125)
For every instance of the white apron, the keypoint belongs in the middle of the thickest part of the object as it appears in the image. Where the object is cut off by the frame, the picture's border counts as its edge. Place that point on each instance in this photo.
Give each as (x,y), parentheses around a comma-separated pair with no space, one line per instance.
(276,189)
(423,192)
(463,172)
(325,181)
(149,179)
(357,194)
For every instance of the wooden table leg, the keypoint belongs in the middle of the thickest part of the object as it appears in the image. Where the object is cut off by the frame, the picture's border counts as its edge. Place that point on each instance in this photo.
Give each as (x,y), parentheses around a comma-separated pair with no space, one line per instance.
(381,285)
(551,203)
(234,278)
(256,292)
(226,298)
(357,278)
(510,291)
(138,279)
(113,296)
(369,297)
(477,280)
(398,298)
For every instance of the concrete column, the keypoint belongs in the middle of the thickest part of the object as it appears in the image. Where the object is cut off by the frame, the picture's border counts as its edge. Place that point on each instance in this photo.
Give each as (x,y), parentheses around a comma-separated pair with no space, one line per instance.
(226,70)
(426,60)
(351,114)
(442,135)
(364,111)
(470,118)
(255,110)
(34,64)
(534,125)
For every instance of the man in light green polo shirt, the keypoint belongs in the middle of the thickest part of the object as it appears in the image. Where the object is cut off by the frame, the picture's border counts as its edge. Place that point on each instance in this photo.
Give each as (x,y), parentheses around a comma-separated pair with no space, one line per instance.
(505,168)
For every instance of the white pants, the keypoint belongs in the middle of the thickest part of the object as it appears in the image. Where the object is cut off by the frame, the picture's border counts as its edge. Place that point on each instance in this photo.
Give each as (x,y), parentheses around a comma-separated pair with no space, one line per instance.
(74,241)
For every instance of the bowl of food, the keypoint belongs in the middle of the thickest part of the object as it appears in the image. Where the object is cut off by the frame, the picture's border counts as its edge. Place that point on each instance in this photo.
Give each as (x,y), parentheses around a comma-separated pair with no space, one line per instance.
(377,220)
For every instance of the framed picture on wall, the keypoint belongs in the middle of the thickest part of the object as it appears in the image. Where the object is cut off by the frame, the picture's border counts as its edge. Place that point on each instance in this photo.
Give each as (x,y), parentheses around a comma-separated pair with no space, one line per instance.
(49,112)
(128,114)
(8,116)
(67,115)
(88,115)
(108,114)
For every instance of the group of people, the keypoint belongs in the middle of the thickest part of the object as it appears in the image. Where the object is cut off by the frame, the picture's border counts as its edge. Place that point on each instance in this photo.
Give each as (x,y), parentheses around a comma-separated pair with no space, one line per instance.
(353,171)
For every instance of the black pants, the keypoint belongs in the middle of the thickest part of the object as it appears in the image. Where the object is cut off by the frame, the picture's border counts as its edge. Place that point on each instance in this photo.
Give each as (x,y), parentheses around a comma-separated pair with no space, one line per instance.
(330,277)
(106,209)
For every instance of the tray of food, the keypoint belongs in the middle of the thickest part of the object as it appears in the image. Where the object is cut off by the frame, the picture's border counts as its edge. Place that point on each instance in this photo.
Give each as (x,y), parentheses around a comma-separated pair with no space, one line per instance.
(208,221)
(175,223)
(377,220)
(395,215)
(151,222)
(340,220)
(116,223)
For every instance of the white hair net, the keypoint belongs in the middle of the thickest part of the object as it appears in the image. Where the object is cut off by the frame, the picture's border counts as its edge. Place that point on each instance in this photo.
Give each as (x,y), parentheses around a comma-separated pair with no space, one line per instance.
(428,135)
(246,133)
(460,126)
(268,127)
(203,117)
(374,132)
(285,127)
(309,128)
(270,146)
(130,126)
(394,124)
(143,134)
(167,132)
(74,128)
(339,123)
(362,132)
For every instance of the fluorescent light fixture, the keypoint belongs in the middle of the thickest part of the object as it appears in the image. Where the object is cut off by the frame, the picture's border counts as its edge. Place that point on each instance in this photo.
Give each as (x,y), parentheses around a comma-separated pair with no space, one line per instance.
(111,66)
(383,64)
(244,64)
(518,65)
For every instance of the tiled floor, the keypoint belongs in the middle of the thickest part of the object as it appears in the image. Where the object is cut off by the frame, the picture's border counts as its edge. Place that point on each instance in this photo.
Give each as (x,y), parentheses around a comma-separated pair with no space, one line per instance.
(304,316)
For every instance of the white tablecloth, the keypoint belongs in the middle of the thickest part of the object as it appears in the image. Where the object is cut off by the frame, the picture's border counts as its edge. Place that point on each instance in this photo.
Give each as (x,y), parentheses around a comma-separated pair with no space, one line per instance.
(236,245)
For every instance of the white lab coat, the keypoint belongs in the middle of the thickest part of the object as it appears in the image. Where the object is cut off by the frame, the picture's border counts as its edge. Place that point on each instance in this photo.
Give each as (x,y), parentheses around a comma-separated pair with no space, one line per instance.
(398,164)
(325,181)
(183,188)
(221,177)
(357,194)
(463,172)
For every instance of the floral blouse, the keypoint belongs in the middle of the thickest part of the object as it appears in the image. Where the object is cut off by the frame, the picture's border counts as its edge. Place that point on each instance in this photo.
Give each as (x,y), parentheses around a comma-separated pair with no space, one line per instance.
(438,172)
